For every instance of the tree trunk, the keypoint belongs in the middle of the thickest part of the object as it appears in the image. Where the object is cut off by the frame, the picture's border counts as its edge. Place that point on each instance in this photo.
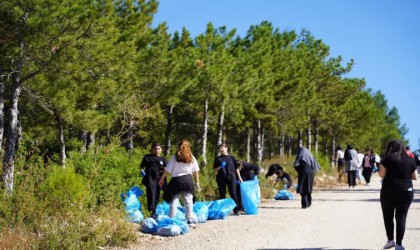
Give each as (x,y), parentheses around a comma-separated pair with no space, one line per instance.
(248,145)
(61,140)
(129,141)
(169,113)
(84,139)
(204,137)
(290,146)
(281,146)
(333,142)
(1,107)
(326,148)
(220,126)
(316,137)
(90,140)
(9,154)
(300,140)
(18,135)
(309,143)
(259,141)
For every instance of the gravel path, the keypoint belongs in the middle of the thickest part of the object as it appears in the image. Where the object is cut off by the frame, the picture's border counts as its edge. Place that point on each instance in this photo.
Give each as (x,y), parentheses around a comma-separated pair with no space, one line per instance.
(339,218)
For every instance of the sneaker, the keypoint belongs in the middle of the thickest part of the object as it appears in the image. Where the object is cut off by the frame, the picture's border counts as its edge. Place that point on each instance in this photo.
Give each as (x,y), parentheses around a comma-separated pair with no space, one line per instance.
(398,247)
(389,244)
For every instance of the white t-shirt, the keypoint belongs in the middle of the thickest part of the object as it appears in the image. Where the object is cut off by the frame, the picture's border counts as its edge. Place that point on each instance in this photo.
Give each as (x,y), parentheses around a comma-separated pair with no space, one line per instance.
(360,157)
(181,168)
(340,154)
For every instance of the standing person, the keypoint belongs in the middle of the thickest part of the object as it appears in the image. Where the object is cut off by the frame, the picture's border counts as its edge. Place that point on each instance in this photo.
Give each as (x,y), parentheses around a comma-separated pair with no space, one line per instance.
(305,165)
(368,165)
(225,169)
(183,167)
(245,172)
(152,167)
(397,170)
(352,164)
(339,159)
(359,172)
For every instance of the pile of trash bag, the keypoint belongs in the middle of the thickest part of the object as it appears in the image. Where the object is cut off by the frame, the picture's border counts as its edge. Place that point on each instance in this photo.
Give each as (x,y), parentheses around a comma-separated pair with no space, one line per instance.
(162,225)
(132,204)
(284,194)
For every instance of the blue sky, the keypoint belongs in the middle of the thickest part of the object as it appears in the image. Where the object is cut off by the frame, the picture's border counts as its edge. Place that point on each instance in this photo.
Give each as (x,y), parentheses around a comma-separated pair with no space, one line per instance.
(382,36)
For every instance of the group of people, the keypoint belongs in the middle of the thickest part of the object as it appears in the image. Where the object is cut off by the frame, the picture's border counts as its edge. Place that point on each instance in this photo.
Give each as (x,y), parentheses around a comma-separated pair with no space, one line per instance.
(356,165)
(184,171)
(397,168)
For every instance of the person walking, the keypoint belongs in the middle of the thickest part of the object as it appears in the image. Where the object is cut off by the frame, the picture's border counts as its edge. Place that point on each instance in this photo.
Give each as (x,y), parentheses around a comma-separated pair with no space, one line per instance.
(225,169)
(183,167)
(352,164)
(306,165)
(151,168)
(339,159)
(397,170)
(368,163)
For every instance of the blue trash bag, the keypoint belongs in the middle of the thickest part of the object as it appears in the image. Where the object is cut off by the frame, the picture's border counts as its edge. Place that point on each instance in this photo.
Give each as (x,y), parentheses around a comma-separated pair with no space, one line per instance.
(163,209)
(251,196)
(172,221)
(149,226)
(135,189)
(201,209)
(220,209)
(284,195)
(134,215)
(169,230)
(132,202)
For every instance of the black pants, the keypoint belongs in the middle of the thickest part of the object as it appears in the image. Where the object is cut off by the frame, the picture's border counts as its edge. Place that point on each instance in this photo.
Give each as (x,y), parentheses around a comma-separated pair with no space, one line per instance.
(231,184)
(153,194)
(351,178)
(238,194)
(367,173)
(398,202)
(306,200)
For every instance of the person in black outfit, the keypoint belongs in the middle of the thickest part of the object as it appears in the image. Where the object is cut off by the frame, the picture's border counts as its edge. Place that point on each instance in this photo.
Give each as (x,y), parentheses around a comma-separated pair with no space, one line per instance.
(225,169)
(397,170)
(153,166)
(245,172)
(282,176)
(305,165)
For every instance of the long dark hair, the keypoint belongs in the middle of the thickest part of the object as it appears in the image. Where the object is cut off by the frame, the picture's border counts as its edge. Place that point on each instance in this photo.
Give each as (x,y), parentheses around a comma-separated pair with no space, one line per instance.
(395,150)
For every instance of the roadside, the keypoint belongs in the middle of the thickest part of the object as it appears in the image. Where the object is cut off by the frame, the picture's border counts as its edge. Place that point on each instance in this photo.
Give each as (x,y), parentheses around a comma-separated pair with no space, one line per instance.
(340,218)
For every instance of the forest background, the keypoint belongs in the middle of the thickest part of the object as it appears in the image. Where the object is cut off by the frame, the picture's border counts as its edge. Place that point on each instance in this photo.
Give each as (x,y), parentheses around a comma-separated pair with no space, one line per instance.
(87,86)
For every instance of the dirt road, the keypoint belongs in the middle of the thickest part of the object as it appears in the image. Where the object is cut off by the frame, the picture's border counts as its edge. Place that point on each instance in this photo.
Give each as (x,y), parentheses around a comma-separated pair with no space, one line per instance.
(340,218)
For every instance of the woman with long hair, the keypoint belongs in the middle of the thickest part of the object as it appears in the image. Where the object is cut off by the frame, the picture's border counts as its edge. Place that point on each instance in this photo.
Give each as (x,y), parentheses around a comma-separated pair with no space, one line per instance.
(397,170)
(183,167)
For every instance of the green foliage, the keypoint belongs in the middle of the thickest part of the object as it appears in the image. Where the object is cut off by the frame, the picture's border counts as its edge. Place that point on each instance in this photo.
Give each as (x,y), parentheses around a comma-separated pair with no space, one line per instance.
(56,203)
(64,188)
(108,173)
